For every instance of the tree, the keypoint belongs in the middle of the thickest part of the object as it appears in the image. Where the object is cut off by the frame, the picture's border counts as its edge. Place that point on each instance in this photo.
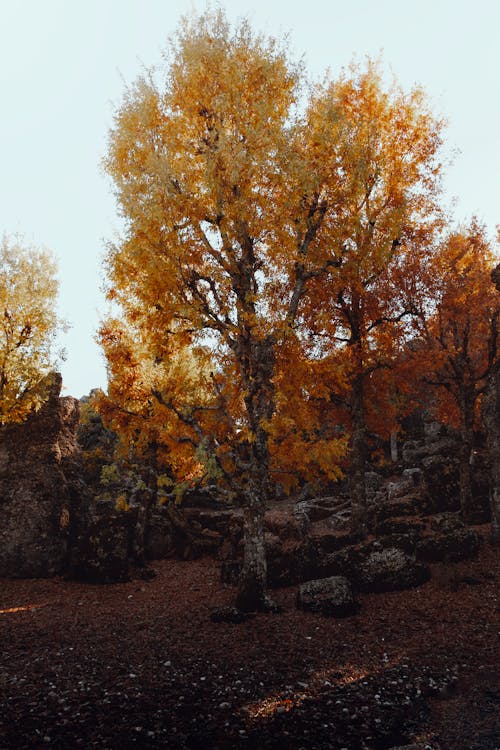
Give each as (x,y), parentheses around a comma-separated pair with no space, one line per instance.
(224,205)
(29,325)
(237,205)
(389,166)
(461,331)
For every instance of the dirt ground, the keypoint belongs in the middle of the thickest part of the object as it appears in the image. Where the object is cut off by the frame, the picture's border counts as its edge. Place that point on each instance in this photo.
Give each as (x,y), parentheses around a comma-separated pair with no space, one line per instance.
(141,665)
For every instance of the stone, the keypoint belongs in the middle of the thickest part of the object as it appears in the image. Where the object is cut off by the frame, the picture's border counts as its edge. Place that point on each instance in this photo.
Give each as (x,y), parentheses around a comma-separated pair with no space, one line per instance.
(41,493)
(402,525)
(390,569)
(442,482)
(385,564)
(460,544)
(159,541)
(332,597)
(285,525)
(410,505)
(230,615)
(445,523)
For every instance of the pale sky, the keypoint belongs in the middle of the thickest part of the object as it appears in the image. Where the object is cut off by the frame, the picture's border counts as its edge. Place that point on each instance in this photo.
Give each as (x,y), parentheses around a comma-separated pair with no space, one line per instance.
(64,62)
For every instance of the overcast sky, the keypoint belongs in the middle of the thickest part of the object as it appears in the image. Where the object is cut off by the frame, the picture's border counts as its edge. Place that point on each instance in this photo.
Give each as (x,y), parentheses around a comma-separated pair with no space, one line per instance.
(63,64)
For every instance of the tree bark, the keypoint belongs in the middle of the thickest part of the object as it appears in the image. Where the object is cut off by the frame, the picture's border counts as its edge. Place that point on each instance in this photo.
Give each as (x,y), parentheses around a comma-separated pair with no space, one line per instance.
(394,447)
(491,416)
(139,533)
(252,592)
(358,460)
(466,447)
(257,360)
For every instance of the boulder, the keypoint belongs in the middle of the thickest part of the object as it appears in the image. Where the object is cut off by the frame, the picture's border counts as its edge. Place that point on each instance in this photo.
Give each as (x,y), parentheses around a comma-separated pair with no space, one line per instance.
(460,544)
(285,525)
(41,493)
(386,564)
(444,523)
(402,525)
(159,535)
(442,481)
(390,569)
(332,597)
(410,505)
(230,615)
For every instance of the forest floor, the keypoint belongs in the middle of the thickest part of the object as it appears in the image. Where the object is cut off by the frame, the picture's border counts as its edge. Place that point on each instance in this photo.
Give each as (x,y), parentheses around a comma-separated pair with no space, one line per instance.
(141,665)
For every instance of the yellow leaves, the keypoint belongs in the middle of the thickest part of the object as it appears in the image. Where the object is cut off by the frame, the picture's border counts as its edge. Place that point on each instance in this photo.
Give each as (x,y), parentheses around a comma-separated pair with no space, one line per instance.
(28,325)
(121,504)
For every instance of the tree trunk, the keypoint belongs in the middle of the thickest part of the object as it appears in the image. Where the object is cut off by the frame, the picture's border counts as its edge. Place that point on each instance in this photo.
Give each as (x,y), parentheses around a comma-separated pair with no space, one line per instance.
(491,416)
(141,524)
(252,593)
(257,361)
(358,460)
(466,447)
(394,447)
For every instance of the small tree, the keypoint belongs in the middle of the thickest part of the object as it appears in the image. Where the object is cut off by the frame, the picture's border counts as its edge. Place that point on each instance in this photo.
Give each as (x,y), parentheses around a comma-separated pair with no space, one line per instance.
(28,327)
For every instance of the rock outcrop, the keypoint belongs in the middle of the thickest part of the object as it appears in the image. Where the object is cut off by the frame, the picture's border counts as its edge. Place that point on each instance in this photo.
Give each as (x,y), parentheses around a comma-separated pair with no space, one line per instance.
(40,474)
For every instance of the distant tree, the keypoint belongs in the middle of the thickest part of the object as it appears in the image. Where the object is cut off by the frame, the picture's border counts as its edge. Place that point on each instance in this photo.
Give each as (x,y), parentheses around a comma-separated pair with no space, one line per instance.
(460,331)
(28,327)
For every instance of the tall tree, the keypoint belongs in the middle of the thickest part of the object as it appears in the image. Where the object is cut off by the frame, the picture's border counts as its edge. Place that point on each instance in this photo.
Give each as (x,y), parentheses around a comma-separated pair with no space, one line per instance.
(461,334)
(388,164)
(28,327)
(225,199)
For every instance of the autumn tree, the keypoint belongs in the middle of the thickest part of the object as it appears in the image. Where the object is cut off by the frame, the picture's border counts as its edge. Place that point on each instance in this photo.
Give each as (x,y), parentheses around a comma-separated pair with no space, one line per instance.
(460,334)
(29,325)
(387,161)
(225,199)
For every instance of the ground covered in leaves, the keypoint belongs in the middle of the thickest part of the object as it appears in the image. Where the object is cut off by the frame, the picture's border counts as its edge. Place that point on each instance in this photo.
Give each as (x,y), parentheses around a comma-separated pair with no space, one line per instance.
(141,665)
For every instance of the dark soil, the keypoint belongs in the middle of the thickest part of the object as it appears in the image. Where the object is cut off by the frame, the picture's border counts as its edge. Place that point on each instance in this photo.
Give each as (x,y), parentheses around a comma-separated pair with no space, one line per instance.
(141,665)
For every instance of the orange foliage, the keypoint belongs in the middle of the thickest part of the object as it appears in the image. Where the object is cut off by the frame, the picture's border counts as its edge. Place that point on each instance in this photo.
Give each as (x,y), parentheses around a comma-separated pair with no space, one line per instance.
(261,240)
(459,344)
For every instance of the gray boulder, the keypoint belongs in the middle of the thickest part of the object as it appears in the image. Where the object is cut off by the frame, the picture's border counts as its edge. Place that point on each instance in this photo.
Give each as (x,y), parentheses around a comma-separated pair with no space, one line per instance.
(390,569)
(460,544)
(332,597)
